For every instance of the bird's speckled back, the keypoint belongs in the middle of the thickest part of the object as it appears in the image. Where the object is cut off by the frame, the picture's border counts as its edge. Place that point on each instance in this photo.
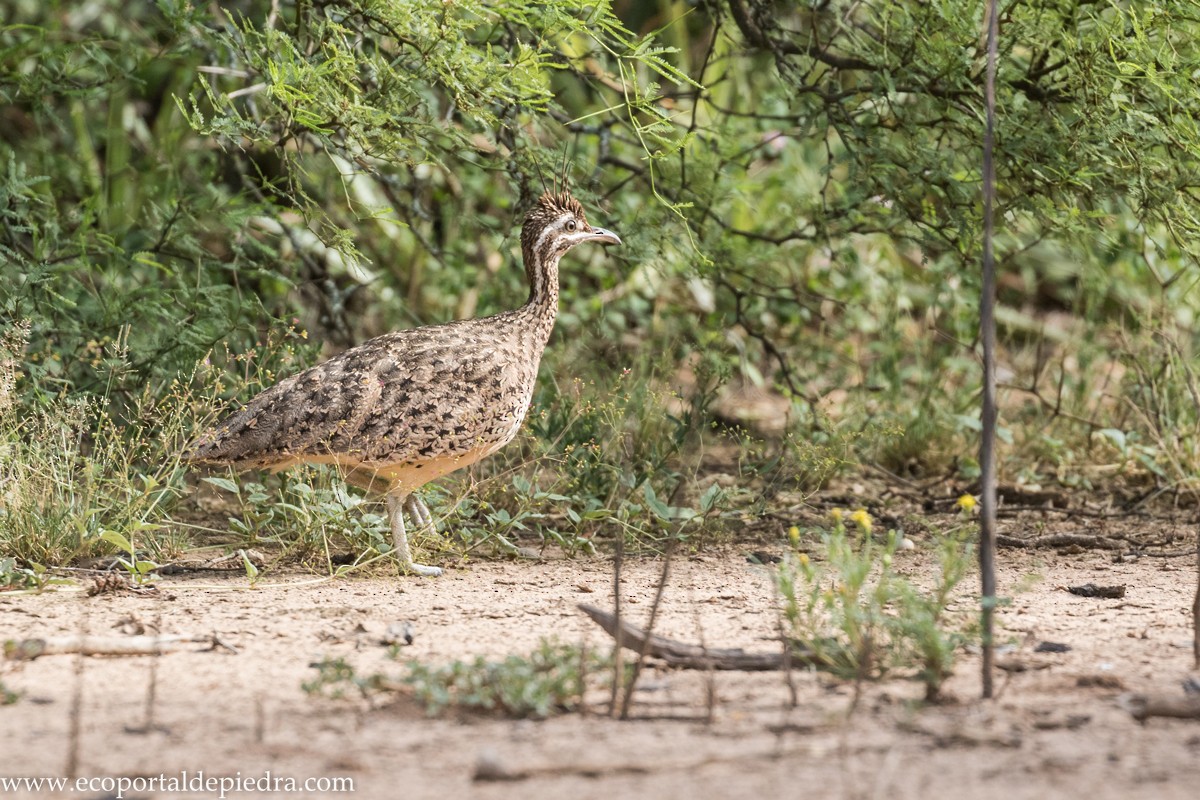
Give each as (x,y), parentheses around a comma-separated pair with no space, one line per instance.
(440,396)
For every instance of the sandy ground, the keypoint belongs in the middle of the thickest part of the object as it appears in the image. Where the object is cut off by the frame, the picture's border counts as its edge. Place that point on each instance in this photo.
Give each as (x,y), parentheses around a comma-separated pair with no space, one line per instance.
(1056,731)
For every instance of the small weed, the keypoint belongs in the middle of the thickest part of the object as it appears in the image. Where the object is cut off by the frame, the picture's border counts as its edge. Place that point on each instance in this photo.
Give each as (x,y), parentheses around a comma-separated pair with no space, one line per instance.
(252,572)
(309,514)
(863,619)
(34,576)
(602,460)
(7,696)
(550,680)
(139,569)
(336,678)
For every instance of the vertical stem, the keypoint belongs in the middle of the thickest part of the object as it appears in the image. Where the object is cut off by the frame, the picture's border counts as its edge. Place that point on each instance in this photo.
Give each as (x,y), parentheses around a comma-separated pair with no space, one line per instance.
(1196,612)
(987,324)
(75,720)
(618,638)
(627,698)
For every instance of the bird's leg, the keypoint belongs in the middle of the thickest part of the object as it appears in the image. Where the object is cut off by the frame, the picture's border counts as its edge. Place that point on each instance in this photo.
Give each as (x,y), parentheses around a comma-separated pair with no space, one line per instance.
(396,505)
(420,513)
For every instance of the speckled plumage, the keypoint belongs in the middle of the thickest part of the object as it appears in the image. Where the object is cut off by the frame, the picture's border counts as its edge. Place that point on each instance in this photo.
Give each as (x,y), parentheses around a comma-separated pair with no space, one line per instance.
(410,406)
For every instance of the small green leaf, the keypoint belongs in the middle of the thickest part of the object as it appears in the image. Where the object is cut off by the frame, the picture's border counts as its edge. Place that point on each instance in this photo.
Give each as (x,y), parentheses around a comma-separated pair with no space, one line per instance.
(223,483)
(251,570)
(118,539)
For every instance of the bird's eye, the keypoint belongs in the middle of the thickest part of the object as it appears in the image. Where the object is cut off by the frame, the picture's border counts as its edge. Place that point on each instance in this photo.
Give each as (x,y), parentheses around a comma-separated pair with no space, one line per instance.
(571,226)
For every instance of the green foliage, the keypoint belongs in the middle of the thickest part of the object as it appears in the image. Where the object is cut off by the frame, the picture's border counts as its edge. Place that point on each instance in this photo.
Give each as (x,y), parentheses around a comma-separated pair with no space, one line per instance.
(797,186)
(109,212)
(611,456)
(76,483)
(14,577)
(309,513)
(335,677)
(835,180)
(861,617)
(550,680)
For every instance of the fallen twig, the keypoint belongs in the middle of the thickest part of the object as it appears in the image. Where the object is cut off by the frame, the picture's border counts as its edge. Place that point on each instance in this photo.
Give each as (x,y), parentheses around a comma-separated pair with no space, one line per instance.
(1061,540)
(1144,706)
(29,649)
(691,656)
(1092,590)
(489,766)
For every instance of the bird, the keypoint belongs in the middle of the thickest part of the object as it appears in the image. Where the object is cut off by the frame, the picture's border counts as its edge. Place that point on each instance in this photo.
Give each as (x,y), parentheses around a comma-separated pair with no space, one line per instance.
(411,406)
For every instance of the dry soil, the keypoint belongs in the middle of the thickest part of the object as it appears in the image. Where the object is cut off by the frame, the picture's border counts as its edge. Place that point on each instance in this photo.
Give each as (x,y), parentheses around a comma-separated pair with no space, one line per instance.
(1057,729)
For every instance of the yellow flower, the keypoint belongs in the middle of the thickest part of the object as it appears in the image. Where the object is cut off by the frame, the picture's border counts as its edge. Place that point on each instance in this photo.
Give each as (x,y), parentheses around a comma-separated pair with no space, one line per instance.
(794,535)
(804,559)
(861,518)
(837,514)
(966,502)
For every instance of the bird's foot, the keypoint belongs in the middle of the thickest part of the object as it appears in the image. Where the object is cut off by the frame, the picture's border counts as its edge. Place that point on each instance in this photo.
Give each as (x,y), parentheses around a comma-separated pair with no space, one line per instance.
(421,569)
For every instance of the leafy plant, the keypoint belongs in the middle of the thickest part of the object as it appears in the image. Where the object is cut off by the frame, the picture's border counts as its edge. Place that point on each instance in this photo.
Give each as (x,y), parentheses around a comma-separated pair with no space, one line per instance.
(310,512)
(550,680)
(139,569)
(76,481)
(861,618)
(335,677)
(34,576)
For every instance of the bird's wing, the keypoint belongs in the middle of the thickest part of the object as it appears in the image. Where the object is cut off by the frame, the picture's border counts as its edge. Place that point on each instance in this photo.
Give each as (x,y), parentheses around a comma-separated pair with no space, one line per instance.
(402,396)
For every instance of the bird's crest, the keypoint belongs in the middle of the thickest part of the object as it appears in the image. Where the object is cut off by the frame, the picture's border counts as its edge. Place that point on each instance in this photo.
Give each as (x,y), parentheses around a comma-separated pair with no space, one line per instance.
(556,199)
(561,202)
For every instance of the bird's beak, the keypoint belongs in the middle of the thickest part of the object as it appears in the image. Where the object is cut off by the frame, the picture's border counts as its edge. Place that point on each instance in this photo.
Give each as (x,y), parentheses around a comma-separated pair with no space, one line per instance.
(604,237)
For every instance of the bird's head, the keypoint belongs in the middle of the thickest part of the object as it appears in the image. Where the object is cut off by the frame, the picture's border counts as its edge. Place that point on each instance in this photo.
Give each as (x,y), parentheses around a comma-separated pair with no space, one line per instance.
(556,223)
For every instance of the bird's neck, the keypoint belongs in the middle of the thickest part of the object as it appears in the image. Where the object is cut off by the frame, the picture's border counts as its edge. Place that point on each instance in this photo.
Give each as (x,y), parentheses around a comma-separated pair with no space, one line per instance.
(542,270)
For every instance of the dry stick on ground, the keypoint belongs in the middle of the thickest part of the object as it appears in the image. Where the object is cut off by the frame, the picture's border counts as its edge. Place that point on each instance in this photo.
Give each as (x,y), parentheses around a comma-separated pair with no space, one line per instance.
(583,678)
(1015,510)
(1195,393)
(1142,707)
(627,698)
(84,645)
(691,656)
(1062,540)
(987,325)
(489,767)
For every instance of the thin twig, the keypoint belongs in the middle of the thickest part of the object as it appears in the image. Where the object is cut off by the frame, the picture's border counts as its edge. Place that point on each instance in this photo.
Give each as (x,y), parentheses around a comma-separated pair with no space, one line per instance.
(84,645)
(627,699)
(73,734)
(152,685)
(793,696)
(1142,707)
(987,324)
(1196,612)
(618,642)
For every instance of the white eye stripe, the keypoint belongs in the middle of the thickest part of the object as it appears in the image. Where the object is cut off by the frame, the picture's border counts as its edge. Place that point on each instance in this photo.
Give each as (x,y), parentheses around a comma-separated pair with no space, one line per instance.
(553,229)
